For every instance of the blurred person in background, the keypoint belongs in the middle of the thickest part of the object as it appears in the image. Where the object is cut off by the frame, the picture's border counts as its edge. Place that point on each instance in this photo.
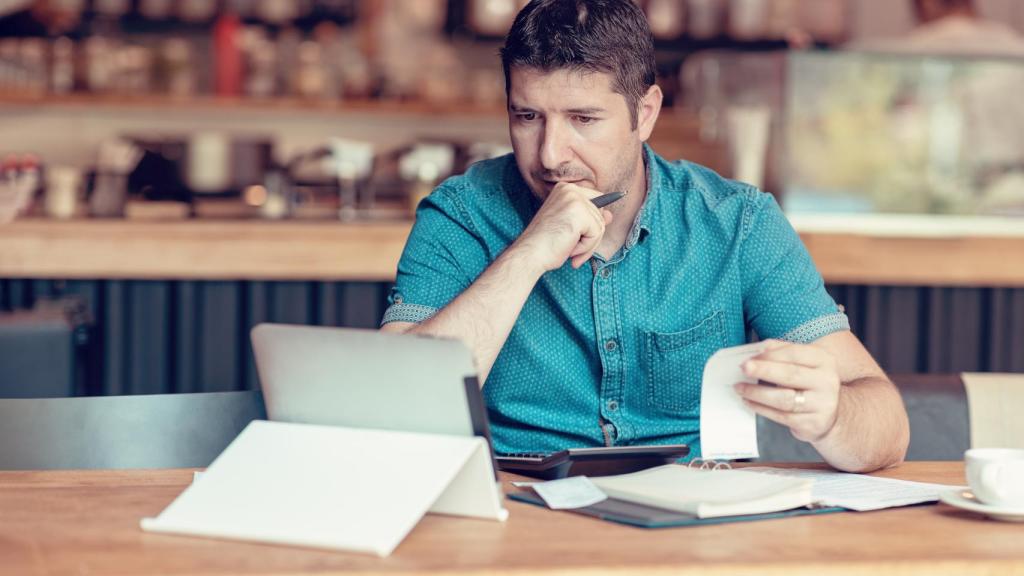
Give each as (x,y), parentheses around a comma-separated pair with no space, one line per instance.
(953,28)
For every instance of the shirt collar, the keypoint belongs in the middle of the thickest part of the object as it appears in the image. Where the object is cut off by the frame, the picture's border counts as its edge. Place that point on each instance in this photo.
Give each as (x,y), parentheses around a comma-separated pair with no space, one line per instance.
(642,225)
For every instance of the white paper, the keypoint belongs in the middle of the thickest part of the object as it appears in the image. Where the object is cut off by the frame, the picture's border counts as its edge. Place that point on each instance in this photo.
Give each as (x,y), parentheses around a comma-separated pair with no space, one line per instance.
(327,486)
(728,428)
(859,492)
(568,493)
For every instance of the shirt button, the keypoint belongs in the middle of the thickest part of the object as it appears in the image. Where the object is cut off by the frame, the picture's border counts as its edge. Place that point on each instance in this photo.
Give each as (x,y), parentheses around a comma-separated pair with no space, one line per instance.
(606,272)
(611,345)
(613,405)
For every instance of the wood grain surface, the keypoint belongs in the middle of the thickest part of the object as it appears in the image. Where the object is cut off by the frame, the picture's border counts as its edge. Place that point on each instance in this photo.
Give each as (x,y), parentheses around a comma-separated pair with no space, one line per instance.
(74,522)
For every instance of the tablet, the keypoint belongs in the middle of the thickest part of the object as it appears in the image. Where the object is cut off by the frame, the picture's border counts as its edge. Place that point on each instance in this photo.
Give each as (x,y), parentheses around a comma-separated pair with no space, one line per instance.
(368,379)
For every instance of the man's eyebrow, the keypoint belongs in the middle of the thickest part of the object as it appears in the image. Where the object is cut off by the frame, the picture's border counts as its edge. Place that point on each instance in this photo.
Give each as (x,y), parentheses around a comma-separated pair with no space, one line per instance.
(588,111)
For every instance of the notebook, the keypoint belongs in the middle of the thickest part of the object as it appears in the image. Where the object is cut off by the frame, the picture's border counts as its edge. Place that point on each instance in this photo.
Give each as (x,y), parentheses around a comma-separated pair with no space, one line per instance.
(640,516)
(708,493)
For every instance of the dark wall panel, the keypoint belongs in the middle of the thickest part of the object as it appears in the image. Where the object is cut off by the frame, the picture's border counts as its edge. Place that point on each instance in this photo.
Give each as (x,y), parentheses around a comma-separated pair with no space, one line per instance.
(110,339)
(152,337)
(218,339)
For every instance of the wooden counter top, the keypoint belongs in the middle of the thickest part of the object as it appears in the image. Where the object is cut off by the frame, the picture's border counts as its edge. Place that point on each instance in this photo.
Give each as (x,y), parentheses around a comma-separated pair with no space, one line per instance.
(296,250)
(87,522)
(198,249)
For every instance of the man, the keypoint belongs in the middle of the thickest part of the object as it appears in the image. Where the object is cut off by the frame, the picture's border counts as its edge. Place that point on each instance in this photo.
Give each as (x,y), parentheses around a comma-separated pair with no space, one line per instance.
(592,326)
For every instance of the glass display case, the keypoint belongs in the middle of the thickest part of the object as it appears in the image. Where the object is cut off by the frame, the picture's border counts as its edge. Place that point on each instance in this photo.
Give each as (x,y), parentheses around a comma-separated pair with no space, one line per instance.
(876,133)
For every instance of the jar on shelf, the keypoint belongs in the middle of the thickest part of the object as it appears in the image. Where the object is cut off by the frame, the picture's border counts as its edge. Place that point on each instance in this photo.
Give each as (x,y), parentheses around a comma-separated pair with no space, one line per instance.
(156,9)
(667,18)
(197,10)
(824,20)
(748,19)
(62,65)
(310,74)
(705,18)
(492,17)
(260,63)
(180,77)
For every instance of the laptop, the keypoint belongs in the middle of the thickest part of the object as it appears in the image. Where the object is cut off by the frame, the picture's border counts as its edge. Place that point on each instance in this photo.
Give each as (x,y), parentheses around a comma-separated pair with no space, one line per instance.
(368,379)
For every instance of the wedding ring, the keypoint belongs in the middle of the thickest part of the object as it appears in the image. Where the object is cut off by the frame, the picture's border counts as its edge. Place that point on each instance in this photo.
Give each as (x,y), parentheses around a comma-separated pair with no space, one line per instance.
(799,400)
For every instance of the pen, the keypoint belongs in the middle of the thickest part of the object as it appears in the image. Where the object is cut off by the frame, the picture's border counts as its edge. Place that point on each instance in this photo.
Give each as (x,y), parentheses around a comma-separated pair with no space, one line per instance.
(606,199)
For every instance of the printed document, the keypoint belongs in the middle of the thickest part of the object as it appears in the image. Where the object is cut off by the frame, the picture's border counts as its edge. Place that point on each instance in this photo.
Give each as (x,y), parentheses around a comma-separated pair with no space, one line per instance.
(859,492)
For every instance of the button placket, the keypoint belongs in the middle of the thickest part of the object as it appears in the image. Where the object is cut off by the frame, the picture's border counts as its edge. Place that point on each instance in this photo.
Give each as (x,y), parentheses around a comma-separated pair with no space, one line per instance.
(610,349)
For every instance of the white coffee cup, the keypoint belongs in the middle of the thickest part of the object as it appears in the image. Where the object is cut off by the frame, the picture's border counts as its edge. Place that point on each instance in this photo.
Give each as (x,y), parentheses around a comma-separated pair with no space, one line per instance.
(996,476)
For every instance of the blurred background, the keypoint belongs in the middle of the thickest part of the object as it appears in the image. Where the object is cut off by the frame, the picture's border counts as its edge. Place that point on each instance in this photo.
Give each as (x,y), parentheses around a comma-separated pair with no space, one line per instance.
(174,173)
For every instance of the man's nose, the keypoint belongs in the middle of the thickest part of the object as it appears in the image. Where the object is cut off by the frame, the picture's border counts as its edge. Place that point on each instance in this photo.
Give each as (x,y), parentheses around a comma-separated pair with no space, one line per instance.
(555,148)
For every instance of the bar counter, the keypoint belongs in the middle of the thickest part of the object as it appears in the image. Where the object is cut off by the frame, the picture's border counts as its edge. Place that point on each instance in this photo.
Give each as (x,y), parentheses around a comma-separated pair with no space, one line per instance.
(862,254)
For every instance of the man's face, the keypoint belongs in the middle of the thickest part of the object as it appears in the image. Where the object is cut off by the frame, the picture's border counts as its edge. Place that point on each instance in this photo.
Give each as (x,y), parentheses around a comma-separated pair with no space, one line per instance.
(570,126)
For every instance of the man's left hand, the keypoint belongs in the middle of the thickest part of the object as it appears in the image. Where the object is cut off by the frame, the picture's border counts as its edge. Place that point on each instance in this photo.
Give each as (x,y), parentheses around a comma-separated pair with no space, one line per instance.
(805,395)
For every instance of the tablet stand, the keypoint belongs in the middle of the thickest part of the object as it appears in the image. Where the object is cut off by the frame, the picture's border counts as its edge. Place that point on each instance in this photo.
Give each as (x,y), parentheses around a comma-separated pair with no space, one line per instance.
(333,487)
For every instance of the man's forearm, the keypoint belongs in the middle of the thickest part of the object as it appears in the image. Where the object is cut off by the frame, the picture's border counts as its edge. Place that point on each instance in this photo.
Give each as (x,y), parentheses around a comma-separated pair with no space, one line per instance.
(483,315)
(871,429)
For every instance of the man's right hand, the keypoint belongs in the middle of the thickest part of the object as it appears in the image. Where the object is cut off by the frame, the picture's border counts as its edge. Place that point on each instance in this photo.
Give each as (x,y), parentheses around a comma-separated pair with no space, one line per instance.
(568,225)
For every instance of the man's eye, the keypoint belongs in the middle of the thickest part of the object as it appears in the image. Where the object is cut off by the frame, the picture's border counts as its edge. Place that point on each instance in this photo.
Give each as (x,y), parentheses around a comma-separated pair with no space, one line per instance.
(527,116)
(586,119)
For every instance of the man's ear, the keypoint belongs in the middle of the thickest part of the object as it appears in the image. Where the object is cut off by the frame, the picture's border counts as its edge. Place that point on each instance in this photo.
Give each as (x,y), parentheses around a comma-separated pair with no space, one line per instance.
(647,115)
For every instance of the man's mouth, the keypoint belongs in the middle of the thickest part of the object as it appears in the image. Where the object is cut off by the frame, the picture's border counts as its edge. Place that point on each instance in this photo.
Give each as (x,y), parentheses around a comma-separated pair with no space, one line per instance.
(553,183)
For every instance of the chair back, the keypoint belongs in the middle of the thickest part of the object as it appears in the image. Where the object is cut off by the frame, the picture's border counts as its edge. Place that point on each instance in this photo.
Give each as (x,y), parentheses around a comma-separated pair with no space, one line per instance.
(939,423)
(145,431)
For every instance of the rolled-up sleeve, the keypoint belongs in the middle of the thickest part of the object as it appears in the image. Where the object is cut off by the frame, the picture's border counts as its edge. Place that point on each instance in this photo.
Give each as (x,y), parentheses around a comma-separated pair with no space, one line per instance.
(442,257)
(784,295)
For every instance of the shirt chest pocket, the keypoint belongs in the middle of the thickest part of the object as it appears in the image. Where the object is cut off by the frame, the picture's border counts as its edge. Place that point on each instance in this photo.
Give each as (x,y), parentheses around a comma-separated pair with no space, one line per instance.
(674,363)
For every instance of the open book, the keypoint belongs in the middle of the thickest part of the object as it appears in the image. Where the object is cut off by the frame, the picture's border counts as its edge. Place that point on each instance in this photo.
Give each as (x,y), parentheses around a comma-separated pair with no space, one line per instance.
(708,493)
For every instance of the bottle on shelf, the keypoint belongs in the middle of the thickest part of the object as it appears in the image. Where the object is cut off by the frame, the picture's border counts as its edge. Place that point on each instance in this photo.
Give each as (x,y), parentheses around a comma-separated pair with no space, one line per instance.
(62,66)
(227,55)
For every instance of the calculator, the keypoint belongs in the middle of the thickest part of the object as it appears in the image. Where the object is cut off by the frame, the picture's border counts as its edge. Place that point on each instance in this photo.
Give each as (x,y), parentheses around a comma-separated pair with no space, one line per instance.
(602,461)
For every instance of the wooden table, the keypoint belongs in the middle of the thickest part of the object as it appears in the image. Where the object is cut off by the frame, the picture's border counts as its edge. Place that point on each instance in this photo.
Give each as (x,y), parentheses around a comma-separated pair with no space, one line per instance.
(74,522)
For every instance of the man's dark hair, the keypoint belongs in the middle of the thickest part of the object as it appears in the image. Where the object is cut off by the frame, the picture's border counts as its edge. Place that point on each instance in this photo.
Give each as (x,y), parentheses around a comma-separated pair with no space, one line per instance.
(610,36)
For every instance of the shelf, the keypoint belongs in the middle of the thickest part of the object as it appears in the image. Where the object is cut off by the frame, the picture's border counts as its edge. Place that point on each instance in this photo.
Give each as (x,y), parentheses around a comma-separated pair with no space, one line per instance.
(282,104)
(669,119)
(676,135)
(330,251)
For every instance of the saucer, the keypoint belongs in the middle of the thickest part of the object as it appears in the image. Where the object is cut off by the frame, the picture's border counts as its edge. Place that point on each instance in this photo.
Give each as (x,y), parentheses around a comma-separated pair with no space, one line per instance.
(965,500)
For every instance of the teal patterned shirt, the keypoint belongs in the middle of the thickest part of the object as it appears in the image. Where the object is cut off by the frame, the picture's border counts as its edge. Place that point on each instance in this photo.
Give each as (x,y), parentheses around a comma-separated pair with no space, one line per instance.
(613,353)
